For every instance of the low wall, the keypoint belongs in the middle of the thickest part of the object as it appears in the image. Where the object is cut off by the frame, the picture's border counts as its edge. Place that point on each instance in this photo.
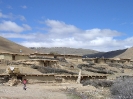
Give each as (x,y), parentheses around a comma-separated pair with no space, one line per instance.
(53,78)
(39,79)
(64,79)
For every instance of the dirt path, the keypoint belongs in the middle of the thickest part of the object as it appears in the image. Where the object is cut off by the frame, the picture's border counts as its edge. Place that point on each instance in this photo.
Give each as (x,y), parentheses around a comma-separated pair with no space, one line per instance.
(51,91)
(35,91)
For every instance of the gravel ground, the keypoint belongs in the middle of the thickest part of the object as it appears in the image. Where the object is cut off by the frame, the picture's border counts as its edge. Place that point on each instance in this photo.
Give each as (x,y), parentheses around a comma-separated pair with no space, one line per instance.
(34,91)
(52,91)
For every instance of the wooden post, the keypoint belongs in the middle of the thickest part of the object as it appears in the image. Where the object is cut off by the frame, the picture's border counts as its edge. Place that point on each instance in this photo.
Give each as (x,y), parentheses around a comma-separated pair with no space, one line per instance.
(79,77)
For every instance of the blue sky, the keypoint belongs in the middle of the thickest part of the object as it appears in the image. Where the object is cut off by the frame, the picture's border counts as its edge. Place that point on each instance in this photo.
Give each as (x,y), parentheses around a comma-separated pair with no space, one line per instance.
(102,25)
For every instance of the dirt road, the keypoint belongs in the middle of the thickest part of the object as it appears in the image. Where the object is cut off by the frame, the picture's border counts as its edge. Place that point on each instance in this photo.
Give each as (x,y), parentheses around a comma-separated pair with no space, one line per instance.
(34,91)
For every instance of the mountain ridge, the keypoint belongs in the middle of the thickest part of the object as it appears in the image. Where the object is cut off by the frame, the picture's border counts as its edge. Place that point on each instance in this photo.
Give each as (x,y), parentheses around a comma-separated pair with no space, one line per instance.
(64,50)
(12,47)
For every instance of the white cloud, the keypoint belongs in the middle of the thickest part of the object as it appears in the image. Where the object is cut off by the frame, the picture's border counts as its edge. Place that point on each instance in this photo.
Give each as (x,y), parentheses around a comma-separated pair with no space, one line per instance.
(17,35)
(3,15)
(12,16)
(24,6)
(60,34)
(27,27)
(60,27)
(13,27)
(21,17)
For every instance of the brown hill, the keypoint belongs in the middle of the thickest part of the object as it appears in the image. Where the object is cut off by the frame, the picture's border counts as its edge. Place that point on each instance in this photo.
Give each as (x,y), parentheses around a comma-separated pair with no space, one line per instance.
(124,53)
(127,54)
(9,46)
(110,54)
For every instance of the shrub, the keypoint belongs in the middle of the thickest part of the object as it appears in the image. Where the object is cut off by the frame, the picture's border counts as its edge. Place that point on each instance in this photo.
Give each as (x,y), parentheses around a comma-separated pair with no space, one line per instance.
(53,70)
(122,88)
(103,71)
(34,66)
(98,83)
(84,65)
(72,92)
(117,65)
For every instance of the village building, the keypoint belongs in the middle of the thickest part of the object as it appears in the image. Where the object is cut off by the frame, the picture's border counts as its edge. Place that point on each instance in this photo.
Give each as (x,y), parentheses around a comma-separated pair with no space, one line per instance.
(45,78)
(13,56)
(55,78)
(25,62)
(125,60)
(41,55)
(131,61)
(20,56)
(43,62)
(56,56)
(95,60)
(107,60)
(89,60)
(6,56)
(100,60)
(76,58)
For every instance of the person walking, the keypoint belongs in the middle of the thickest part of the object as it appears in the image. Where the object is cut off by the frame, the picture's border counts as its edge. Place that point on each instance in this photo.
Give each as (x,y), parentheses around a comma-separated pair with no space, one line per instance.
(24,83)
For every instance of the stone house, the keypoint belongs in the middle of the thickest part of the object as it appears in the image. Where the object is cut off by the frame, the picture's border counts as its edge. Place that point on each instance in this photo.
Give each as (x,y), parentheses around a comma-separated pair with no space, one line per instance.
(46,55)
(44,62)
(13,56)
(41,55)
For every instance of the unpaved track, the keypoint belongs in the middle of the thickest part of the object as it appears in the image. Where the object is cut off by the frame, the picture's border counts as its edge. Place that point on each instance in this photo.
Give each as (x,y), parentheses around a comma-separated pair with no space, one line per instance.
(34,91)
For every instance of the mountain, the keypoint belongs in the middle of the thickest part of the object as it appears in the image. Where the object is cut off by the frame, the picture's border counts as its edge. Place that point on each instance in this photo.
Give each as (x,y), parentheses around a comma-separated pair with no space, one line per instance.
(110,54)
(127,54)
(11,47)
(64,50)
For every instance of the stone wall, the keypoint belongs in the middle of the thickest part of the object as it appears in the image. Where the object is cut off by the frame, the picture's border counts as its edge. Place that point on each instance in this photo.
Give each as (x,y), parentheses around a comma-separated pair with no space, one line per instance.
(20,57)
(39,79)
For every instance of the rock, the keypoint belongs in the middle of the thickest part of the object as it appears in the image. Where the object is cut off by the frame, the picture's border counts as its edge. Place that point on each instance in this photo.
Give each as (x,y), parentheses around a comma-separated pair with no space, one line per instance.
(13,81)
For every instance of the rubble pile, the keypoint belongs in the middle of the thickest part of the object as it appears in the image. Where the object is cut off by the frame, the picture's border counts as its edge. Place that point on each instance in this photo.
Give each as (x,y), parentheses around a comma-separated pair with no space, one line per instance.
(13,81)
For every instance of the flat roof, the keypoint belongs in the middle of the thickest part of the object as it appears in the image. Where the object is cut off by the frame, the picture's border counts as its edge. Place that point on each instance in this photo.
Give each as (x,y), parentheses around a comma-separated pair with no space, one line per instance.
(14,53)
(54,75)
(56,54)
(41,60)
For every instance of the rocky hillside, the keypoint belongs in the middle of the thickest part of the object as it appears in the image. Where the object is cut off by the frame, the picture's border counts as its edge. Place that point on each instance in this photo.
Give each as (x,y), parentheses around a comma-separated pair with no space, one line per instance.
(64,50)
(127,53)
(111,54)
(123,53)
(9,46)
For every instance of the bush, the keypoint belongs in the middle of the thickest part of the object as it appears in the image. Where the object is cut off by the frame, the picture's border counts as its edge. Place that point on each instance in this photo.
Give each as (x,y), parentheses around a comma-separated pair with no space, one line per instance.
(117,65)
(53,70)
(98,83)
(84,65)
(103,71)
(122,88)
(62,59)
(34,66)
(72,92)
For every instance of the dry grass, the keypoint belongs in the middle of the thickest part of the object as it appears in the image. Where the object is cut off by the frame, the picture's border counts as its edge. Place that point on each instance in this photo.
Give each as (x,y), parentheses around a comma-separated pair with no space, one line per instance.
(98,83)
(9,46)
(122,88)
(51,70)
(74,94)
